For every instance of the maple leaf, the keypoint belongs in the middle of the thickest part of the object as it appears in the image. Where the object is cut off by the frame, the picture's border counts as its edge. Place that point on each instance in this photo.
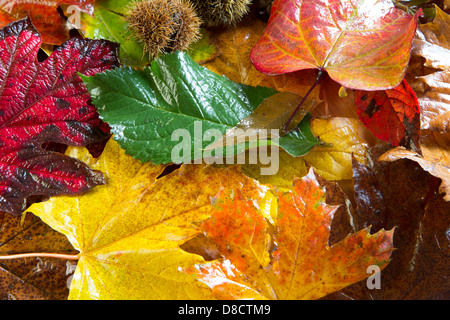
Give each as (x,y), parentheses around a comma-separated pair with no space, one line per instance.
(360,44)
(433,43)
(302,265)
(392,115)
(44,14)
(46,102)
(128,231)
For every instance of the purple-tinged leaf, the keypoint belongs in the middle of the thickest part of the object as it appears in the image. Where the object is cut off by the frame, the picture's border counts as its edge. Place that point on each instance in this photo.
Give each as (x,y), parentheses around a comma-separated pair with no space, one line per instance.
(46,102)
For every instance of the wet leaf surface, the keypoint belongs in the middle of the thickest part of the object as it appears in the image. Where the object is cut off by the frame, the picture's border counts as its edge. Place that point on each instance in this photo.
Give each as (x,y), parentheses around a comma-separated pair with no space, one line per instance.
(361,44)
(43,102)
(32,278)
(403,195)
(299,263)
(391,115)
(136,233)
(128,232)
(432,42)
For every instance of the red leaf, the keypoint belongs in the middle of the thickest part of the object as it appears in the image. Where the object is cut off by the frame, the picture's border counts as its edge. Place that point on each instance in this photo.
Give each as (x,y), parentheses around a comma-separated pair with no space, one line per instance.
(46,102)
(44,16)
(391,115)
(361,44)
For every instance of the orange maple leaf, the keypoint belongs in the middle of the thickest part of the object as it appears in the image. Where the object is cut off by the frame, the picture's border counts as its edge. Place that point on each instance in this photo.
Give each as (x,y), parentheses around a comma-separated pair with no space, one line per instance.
(288,258)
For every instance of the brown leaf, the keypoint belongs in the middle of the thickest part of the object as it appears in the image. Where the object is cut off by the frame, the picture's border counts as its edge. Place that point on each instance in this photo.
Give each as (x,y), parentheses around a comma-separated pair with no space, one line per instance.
(335,105)
(15,288)
(435,160)
(429,266)
(401,194)
(433,92)
(337,194)
(369,200)
(32,278)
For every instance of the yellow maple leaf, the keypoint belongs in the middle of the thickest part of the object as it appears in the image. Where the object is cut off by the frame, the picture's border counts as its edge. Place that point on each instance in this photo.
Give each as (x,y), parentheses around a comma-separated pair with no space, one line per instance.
(128,232)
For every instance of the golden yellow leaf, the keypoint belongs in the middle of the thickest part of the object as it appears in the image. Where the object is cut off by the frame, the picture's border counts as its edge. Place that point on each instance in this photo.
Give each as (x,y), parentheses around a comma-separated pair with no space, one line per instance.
(288,168)
(344,136)
(128,232)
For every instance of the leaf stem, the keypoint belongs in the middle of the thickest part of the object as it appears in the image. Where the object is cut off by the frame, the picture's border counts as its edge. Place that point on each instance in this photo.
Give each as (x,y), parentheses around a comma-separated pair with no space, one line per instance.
(319,76)
(41,254)
(404,7)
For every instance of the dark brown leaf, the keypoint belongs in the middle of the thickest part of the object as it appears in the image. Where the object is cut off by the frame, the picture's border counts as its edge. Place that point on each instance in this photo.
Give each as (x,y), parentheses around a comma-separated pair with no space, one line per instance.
(32,278)
(400,194)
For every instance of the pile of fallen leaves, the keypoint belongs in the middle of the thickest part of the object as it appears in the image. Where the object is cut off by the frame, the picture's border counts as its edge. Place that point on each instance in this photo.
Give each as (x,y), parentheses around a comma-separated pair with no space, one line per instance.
(93,205)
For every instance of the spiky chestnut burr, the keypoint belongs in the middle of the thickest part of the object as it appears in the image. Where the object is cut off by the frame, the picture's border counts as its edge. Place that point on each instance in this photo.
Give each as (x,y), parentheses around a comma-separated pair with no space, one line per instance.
(221,12)
(163,25)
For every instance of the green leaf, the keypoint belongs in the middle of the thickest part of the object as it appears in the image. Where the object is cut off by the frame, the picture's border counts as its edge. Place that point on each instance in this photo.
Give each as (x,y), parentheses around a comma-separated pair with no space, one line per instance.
(175,106)
(109,24)
(300,141)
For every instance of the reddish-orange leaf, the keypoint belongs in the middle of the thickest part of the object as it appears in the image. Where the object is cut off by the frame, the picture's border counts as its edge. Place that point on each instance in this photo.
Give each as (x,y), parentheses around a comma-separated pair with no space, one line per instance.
(291,258)
(240,233)
(44,15)
(242,236)
(361,44)
(391,115)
